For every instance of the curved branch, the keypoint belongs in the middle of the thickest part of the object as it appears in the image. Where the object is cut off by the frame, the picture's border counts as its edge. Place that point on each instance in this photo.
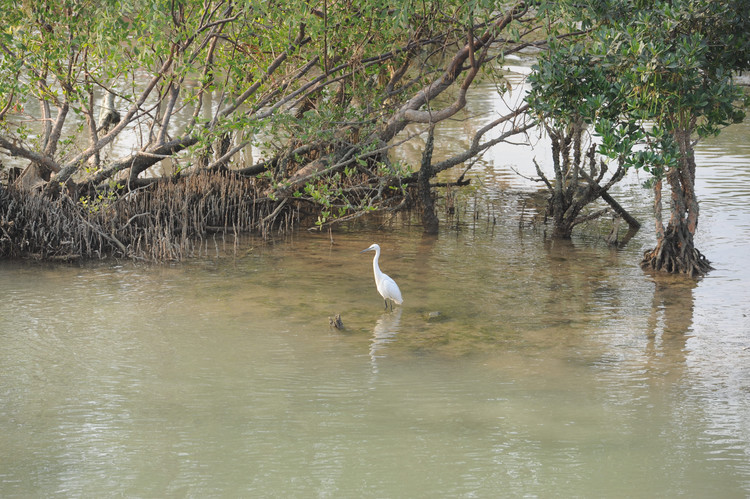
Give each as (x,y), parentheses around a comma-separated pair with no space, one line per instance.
(72,166)
(477,147)
(142,160)
(7,106)
(409,112)
(298,42)
(22,152)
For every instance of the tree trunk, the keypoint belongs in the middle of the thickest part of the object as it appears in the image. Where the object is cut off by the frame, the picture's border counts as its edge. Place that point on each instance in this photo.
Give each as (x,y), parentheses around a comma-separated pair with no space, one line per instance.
(675,250)
(676,253)
(573,189)
(562,226)
(429,219)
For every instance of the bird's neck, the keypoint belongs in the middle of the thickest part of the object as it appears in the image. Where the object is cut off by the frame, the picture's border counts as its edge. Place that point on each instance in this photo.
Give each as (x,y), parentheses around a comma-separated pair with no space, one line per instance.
(375,266)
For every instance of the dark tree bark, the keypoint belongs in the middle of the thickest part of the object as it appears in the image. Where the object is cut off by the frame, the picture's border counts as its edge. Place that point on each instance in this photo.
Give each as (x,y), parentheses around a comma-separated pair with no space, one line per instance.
(675,250)
(577,182)
(429,219)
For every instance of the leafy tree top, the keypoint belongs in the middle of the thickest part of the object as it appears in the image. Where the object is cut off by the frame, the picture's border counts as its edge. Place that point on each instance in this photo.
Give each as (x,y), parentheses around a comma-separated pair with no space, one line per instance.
(645,70)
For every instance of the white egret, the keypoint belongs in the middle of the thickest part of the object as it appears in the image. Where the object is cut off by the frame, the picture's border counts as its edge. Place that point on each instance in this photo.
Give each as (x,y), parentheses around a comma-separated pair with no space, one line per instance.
(387,287)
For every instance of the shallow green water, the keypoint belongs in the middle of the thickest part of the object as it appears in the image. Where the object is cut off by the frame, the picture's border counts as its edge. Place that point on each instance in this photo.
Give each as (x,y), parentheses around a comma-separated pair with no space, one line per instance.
(516,367)
(551,369)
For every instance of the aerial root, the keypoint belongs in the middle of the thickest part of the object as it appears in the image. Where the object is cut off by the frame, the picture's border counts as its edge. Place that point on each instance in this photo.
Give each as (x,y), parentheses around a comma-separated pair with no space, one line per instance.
(667,257)
(165,221)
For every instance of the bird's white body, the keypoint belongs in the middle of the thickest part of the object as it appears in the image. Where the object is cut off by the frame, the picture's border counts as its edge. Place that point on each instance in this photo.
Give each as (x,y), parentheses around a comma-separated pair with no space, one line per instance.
(387,287)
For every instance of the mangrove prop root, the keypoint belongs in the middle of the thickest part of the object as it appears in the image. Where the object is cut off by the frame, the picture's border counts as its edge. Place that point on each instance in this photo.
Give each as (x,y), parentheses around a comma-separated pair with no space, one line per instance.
(168,220)
(676,255)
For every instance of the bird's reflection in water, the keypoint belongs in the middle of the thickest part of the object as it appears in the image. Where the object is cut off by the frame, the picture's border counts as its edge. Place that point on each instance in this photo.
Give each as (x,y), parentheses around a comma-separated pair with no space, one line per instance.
(383,333)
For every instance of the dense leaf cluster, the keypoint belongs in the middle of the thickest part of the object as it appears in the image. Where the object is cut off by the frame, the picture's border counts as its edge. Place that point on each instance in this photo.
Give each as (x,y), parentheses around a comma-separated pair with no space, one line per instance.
(304,98)
(643,70)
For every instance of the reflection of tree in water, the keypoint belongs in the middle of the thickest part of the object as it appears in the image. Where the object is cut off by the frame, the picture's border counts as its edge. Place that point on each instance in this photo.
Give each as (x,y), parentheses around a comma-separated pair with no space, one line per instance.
(693,391)
(572,279)
(383,333)
(668,324)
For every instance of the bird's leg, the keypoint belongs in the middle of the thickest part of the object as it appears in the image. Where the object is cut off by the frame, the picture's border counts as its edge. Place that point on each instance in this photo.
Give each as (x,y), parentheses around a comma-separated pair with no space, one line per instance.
(386,304)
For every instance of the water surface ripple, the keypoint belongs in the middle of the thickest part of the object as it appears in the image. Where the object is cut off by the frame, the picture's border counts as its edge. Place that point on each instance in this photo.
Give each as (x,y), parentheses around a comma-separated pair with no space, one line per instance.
(516,367)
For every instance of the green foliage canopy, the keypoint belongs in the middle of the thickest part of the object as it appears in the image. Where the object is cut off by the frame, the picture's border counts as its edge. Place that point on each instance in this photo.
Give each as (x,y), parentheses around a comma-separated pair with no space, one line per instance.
(95,91)
(644,70)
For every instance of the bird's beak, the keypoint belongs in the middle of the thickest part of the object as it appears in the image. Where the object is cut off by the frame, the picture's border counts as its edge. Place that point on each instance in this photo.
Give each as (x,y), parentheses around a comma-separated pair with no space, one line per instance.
(368,249)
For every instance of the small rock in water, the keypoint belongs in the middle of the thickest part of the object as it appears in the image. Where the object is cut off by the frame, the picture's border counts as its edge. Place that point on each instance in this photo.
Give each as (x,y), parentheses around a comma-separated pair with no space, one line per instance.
(431,316)
(335,321)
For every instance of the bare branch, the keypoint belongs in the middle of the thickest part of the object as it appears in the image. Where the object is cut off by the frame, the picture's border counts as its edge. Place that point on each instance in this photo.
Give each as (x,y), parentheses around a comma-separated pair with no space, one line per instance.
(8,105)
(22,152)
(54,136)
(300,40)
(478,147)
(72,165)
(410,112)
(174,93)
